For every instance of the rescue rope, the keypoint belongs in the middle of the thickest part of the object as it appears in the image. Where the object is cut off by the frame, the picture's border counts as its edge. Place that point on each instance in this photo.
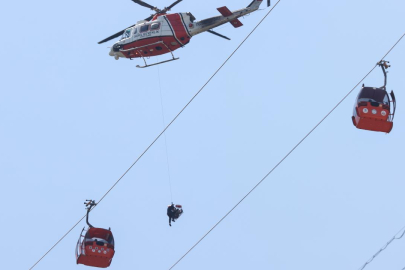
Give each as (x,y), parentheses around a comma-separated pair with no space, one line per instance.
(164,124)
(281,161)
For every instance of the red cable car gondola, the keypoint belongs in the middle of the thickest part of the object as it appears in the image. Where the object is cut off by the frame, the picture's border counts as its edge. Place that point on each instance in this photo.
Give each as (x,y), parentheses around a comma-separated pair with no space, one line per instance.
(96,247)
(373,110)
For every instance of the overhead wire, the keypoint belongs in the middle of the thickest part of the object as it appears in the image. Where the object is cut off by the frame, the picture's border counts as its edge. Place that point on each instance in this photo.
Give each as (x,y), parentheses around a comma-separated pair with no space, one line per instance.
(163,131)
(384,247)
(281,161)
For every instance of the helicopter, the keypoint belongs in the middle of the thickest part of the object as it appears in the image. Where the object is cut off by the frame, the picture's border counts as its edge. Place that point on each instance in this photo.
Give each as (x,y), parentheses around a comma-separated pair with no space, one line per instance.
(162,33)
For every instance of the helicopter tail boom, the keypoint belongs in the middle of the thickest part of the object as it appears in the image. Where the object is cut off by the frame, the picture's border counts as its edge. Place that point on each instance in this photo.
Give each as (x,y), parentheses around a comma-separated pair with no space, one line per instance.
(226,16)
(255,4)
(226,13)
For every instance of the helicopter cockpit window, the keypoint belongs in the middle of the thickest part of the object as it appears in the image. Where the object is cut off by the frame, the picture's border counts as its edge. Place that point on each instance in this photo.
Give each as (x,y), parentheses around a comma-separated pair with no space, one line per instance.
(144,28)
(127,33)
(154,26)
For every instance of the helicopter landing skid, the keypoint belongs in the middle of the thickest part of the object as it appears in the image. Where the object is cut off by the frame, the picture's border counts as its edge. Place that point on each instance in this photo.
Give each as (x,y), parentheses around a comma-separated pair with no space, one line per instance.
(146,65)
(140,53)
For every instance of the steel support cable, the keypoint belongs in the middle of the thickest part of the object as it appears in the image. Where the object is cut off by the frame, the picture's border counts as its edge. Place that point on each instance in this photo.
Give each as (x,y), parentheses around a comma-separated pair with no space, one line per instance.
(163,131)
(281,161)
(384,247)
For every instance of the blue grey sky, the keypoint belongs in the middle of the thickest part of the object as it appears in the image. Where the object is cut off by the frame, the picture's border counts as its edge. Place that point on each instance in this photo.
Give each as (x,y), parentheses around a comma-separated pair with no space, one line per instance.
(73,120)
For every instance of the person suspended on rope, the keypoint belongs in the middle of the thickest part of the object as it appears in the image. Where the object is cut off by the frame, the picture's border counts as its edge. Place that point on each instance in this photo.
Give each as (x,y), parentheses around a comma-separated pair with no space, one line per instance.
(174,212)
(170,213)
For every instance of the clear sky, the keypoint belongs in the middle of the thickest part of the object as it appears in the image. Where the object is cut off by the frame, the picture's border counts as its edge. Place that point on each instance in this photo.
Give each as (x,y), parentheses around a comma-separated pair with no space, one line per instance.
(73,120)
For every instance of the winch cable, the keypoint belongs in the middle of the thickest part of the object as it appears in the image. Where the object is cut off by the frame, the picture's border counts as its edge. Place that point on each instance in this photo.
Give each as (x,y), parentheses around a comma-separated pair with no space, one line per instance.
(292,150)
(164,130)
(164,135)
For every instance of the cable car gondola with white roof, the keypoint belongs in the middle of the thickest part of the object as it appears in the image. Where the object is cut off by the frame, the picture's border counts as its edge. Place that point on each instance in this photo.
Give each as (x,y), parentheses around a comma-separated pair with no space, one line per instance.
(96,247)
(373,110)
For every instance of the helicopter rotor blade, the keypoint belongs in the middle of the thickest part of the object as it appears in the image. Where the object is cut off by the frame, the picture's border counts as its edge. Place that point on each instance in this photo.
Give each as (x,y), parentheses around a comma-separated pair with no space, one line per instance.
(139,2)
(150,17)
(172,5)
(218,34)
(268,3)
(115,35)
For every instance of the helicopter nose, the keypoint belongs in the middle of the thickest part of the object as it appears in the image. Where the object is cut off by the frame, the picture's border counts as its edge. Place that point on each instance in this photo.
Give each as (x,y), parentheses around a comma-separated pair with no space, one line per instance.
(116,47)
(116,55)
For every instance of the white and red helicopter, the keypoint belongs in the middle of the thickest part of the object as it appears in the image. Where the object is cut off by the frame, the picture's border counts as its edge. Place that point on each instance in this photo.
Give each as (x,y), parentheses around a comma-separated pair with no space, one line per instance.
(163,33)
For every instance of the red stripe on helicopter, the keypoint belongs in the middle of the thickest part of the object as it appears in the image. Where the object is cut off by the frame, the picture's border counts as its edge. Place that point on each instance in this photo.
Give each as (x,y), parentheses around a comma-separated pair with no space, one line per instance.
(147,47)
(179,29)
(171,29)
(182,20)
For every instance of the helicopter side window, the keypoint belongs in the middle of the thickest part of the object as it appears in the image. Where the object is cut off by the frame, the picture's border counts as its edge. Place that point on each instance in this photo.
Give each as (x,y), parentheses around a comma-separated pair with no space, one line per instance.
(154,26)
(127,33)
(144,28)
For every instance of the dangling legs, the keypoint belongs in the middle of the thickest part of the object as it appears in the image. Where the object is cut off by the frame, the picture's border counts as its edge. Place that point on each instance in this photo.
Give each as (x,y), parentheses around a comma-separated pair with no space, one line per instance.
(175,215)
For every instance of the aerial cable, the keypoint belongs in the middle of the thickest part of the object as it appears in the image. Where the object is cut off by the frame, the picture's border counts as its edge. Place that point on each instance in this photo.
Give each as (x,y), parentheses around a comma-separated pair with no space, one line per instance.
(395,237)
(163,131)
(281,161)
(164,124)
